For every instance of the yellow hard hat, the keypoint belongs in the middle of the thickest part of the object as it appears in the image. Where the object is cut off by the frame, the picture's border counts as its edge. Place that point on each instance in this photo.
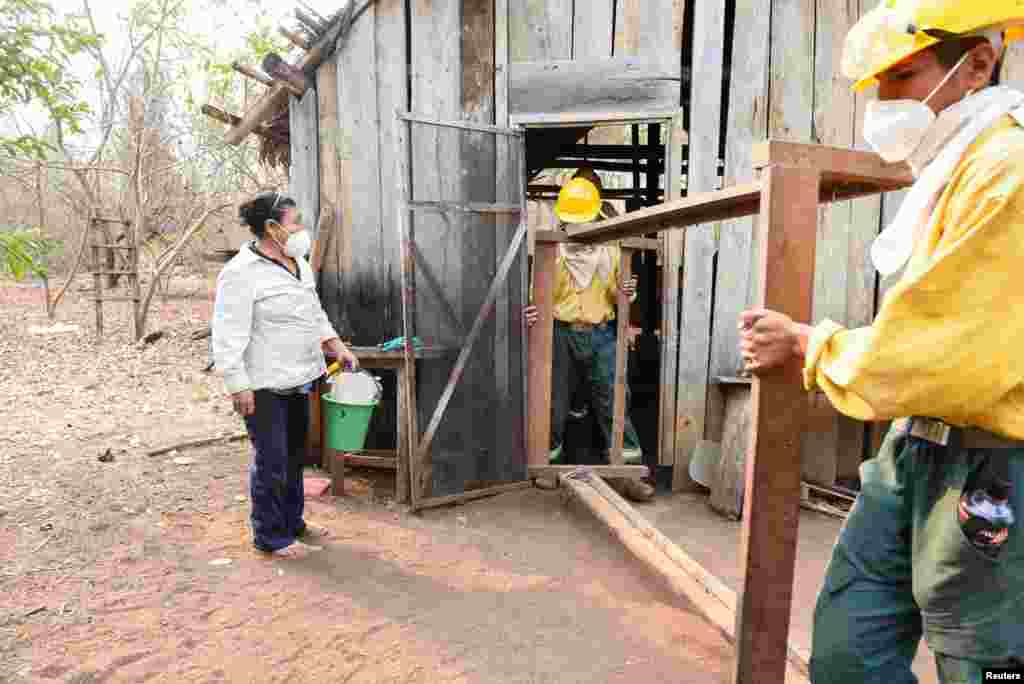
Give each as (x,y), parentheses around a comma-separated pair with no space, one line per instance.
(578,202)
(898,29)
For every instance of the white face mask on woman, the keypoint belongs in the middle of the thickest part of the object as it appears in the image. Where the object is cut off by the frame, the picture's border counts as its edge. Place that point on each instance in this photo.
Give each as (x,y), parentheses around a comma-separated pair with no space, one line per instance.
(298,244)
(895,128)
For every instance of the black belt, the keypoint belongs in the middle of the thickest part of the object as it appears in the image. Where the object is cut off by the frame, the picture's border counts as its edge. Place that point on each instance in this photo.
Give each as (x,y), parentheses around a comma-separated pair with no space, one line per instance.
(939,432)
(583,327)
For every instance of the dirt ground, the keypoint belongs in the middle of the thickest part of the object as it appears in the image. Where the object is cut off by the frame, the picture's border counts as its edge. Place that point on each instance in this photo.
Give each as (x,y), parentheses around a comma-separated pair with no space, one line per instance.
(138,568)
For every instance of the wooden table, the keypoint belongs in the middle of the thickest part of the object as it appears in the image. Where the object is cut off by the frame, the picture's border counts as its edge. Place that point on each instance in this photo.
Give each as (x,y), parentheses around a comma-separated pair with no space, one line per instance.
(370,358)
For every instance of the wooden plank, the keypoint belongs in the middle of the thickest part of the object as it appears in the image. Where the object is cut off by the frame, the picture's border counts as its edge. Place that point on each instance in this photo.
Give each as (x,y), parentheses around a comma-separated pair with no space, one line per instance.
(642,244)
(402,440)
(671,300)
(473,495)
(540,30)
(460,125)
(304,175)
(468,207)
(830,437)
(622,332)
(700,245)
(362,264)
(684,576)
(276,97)
(696,209)
(367,461)
(418,480)
(588,89)
(651,27)
(838,165)
(746,123)
(392,95)
(732,202)
(331,210)
(630,471)
(436,96)
(728,481)
(786,247)
(541,341)
(593,30)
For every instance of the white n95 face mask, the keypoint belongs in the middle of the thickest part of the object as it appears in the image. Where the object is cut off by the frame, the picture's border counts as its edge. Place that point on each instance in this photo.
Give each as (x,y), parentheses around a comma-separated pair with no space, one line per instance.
(298,244)
(895,128)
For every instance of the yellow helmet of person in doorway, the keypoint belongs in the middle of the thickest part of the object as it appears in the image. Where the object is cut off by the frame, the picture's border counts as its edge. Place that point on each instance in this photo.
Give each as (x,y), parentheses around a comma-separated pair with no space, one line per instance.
(898,29)
(579,201)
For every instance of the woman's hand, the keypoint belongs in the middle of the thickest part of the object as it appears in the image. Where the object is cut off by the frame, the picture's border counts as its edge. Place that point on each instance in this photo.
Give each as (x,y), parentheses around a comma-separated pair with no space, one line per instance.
(530,315)
(344,355)
(244,402)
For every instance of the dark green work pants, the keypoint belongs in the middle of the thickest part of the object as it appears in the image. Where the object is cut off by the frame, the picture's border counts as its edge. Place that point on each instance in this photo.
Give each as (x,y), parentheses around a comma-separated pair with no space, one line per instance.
(586,359)
(902,568)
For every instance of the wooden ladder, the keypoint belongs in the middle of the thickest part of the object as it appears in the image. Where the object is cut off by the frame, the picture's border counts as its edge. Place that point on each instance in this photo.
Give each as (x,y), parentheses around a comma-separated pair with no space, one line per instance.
(103,254)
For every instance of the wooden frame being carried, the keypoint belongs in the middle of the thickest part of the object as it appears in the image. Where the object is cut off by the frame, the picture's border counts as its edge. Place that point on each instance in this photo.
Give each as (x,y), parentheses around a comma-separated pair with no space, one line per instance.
(794,180)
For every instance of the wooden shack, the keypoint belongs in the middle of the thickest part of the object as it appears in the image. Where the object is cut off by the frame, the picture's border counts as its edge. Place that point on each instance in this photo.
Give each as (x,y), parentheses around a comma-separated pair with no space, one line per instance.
(665,97)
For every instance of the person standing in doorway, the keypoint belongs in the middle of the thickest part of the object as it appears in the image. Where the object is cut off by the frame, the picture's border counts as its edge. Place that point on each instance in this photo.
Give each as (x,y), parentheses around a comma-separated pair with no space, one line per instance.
(585,299)
(269,338)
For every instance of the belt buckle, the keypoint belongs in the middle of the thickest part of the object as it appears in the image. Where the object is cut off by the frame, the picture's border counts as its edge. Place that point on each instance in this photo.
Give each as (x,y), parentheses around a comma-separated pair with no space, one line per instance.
(930,430)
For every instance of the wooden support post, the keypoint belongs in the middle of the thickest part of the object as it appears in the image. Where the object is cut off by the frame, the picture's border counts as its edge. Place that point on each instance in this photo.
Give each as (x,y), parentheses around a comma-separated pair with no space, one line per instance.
(402,437)
(786,234)
(418,485)
(538,392)
(621,354)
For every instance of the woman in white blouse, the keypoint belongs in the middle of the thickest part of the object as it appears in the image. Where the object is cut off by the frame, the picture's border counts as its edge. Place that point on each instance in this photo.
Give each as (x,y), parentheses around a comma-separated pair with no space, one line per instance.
(269,337)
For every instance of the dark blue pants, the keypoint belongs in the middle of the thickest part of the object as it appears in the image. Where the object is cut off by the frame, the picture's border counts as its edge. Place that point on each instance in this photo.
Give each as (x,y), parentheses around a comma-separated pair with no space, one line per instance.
(277,430)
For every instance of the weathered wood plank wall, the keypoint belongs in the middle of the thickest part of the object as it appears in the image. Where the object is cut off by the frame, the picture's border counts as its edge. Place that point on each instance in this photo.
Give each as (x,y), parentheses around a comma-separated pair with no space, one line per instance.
(304,174)
(706,111)
(654,29)
(783,83)
(370,85)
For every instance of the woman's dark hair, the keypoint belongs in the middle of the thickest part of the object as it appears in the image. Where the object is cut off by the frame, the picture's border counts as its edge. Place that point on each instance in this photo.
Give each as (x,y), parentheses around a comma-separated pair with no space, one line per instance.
(264,207)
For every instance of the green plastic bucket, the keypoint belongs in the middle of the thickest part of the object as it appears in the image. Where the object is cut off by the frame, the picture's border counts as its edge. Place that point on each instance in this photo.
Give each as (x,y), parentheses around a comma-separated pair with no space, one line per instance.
(346,424)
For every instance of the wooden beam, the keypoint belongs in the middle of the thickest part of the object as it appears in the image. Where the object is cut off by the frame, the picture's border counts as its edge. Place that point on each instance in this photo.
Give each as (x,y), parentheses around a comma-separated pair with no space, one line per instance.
(371,461)
(472,495)
(837,165)
(730,203)
(277,96)
(541,341)
(231,119)
(591,88)
(733,202)
(628,471)
(786,245)
(621,356)
(294,38)
(684,575)
(249,72)
(407,274)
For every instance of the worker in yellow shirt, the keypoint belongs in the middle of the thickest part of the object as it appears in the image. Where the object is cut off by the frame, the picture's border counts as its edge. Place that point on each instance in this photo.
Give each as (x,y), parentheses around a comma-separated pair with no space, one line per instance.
(585,298)
(932,546)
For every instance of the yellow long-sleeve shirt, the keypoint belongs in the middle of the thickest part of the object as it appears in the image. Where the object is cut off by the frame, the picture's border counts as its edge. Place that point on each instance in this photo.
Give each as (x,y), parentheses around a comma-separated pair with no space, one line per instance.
(597,303)
(944,343)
